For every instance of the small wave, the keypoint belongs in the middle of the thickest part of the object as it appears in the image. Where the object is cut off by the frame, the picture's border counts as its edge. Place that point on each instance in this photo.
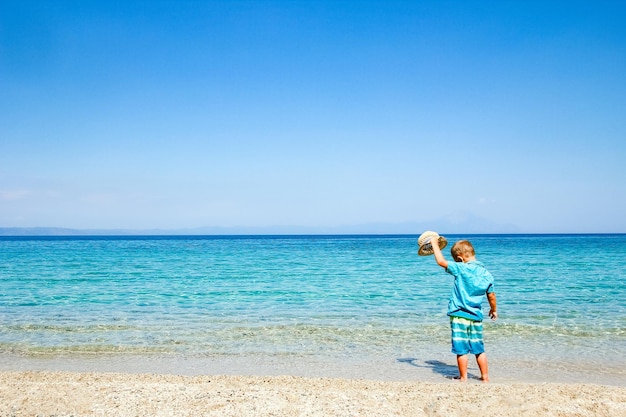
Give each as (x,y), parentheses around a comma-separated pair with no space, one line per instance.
(43,351)
(504,329)
(33,327)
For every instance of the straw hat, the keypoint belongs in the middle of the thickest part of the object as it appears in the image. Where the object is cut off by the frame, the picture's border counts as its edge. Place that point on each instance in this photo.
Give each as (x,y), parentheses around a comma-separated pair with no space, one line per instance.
(425,248)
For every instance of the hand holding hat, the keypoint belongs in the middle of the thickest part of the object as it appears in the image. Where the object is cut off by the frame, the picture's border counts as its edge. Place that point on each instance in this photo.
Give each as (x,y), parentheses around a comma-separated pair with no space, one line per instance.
(425,243)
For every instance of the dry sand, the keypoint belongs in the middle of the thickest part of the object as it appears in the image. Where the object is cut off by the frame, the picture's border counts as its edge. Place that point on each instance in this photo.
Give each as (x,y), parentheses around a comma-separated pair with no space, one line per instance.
(117,394)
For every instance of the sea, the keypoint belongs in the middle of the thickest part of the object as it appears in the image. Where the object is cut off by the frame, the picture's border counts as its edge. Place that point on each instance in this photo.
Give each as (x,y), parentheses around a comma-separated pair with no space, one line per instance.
(355,306)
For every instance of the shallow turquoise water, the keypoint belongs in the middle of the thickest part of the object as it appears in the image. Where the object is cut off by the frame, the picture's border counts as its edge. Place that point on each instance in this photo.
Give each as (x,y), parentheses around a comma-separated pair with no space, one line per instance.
(303,296)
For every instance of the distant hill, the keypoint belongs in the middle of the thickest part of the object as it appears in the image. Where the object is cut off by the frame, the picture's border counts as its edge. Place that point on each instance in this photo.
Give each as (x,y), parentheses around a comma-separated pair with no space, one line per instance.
(56,231)
(453,224)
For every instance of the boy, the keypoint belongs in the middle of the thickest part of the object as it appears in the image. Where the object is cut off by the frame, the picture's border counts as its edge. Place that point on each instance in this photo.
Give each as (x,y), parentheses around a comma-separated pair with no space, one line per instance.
(471,282)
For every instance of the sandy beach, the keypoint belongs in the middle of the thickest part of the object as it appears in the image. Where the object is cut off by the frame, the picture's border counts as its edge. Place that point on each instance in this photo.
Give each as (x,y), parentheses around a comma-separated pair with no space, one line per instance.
(117,394)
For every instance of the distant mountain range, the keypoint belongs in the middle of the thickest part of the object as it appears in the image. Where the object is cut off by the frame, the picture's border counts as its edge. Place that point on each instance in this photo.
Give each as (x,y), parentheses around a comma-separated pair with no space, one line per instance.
(456,224)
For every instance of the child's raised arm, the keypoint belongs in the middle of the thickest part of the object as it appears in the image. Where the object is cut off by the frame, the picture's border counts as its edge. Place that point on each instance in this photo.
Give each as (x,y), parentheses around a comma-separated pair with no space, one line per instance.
(434,241)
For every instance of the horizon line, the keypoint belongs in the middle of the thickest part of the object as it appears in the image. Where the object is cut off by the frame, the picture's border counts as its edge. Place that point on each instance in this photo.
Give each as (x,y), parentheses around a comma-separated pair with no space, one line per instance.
(114,232)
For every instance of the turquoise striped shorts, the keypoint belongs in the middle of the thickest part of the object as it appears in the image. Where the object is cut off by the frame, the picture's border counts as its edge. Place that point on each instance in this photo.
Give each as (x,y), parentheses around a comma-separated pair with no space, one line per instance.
(467,336)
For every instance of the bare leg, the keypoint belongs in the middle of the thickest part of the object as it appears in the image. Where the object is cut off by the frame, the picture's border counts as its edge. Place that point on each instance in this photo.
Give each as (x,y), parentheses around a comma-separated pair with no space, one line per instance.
(461,361)
(481,360)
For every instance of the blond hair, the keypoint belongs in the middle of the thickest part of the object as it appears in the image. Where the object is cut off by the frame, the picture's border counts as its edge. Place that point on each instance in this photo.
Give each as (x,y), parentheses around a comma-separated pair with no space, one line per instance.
(462,248)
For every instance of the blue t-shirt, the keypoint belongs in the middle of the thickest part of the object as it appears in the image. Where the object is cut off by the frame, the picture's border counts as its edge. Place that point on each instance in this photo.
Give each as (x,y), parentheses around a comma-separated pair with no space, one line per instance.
(471,282)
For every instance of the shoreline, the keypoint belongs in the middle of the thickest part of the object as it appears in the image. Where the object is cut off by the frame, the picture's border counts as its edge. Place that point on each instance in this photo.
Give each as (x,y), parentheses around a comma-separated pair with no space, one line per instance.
(427,368)
(122,394)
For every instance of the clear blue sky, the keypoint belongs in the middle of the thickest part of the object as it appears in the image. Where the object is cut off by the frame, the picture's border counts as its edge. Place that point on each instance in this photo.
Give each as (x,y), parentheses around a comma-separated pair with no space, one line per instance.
(176,114)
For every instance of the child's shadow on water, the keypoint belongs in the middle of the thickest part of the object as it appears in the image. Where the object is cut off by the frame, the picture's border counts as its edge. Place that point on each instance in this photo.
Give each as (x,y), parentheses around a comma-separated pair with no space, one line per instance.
(438,367)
